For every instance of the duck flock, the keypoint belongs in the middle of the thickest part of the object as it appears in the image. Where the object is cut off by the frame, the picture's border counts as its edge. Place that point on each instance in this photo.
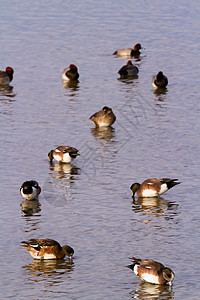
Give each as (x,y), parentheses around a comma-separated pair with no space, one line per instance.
(147,270)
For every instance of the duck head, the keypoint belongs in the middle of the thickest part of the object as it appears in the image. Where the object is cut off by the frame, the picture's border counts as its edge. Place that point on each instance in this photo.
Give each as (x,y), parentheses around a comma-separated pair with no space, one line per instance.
(135,187)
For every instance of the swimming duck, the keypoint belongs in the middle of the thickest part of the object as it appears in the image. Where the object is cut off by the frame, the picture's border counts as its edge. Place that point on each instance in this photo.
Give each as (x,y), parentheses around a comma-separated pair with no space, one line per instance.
(104,117)
(151,271)
(70,73)
(153,187)
(6,76)
(159,80)
(128,52)
(63,154)
(129,70)
(30,190)
(47,249)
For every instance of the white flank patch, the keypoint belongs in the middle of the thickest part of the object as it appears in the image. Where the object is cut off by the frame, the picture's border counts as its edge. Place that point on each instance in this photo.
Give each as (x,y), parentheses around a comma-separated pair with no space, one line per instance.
(103,124)
(153,79)
(163,188)
(64,77)
(150,278)
(155,86)
(34,254)
(135,269)
(31,196)
(67,158)
(45,256)
(149,193)
(57,157)
(49,256)
(124,52)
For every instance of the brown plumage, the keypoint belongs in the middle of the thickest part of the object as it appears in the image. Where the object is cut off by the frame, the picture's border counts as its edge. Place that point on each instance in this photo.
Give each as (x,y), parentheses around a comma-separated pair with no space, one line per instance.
(63,154)
(128,70)
(159,80)
(47,249)
(129,52)
(6,76)
(151,271)
(153,187)
(104,117)
(30,190)
(70,73)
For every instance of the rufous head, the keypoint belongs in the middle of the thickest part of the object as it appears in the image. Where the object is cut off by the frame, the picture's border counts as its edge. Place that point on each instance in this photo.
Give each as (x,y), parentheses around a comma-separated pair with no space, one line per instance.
(137,47)
(9,70)
(129,63)
(72,67)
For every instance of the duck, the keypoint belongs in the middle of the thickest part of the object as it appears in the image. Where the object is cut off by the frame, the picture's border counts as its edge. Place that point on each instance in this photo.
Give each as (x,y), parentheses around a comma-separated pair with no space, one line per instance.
(153,187)
(70,73)
(104,117)
(129,70)
(151,271)
(64,154)
(159,80)
(30,190)
(124,52)
(6,76)
(47,249)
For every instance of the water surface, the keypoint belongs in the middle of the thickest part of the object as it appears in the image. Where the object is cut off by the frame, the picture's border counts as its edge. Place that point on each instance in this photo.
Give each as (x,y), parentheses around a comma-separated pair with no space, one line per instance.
(88,204)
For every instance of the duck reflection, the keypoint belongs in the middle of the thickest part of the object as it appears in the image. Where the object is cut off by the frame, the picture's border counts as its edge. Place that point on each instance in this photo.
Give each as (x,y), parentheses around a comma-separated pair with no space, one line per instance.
(153,292)
(6,91)
(138,59)
(103,133)
(71,86)
(30,207)
(160,91)
(51,271)
(154,206)
(63,170)
(60,189)
(160,94)
(130,80)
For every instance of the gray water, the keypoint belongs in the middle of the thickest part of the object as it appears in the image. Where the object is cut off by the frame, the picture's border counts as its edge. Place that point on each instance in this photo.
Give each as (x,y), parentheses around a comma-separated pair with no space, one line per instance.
(89,205)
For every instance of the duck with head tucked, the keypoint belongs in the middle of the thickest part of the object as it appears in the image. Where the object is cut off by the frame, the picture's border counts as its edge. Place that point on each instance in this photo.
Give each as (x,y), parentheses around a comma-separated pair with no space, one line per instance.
(6,76)
(30,190)
(128,71)
(153,187)
(151,271)
(64,154)
(47,249)
(104,117)
(70,73)
(129,52)
(159,80)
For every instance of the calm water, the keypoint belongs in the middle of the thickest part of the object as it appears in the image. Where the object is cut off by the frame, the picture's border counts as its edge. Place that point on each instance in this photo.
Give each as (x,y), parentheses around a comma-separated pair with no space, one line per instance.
(88,204)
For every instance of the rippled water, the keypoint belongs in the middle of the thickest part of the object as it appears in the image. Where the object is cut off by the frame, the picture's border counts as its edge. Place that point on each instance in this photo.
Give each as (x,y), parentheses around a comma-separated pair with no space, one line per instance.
(88,204)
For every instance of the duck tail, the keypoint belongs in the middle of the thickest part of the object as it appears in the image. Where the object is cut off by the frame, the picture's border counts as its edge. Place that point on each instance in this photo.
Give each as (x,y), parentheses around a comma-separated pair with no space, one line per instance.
(170,182)
(131,266)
